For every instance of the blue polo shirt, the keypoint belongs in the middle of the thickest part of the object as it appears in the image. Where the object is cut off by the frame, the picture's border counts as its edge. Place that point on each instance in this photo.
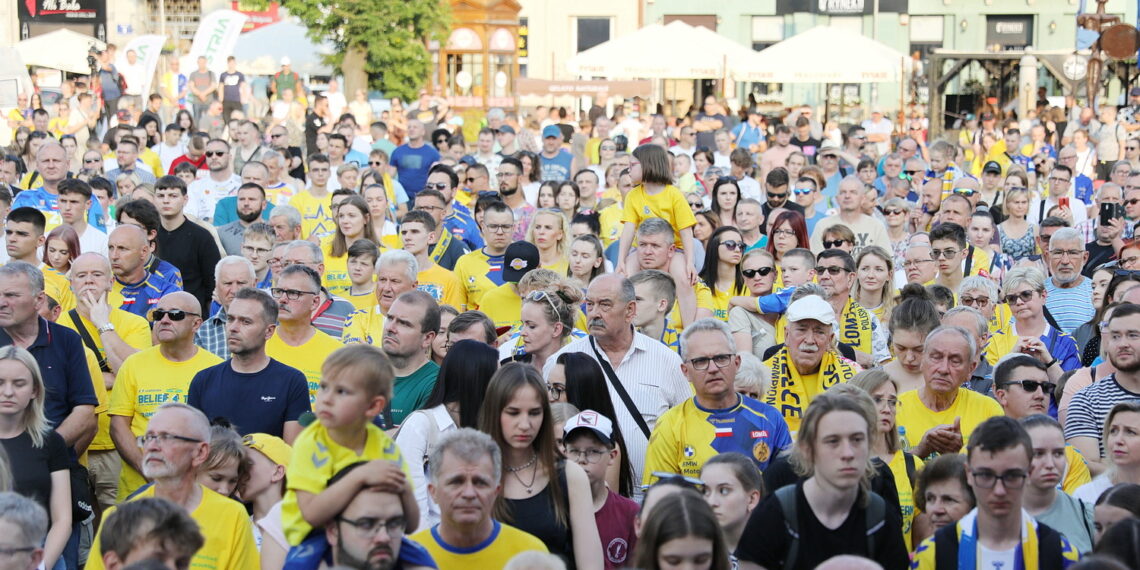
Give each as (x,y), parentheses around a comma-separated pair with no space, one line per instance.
(48,203)
(139,298)
(59,352)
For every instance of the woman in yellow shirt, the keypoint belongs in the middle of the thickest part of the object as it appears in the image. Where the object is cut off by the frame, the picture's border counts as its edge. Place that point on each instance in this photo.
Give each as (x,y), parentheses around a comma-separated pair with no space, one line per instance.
(353,222)
(549,231)
(721,272)
(384,228)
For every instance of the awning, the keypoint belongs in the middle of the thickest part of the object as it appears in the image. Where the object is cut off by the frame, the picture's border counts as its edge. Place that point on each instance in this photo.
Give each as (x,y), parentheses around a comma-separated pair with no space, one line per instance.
(62,49)
(823,54)
(597,89)
(673,51)
(259,52)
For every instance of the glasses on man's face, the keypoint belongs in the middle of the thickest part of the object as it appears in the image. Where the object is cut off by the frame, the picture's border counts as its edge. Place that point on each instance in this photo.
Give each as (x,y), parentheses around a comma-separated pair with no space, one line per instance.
(946,253)
(831,270)
(773,197)
(986,479)
(591,456)
(916,262)
(1058,180)
(174,314)
(1023,296)
(498,228)
(829,244)
(368,526)
(1031,386)
(892,212)
(1070,253)
(702,362)
(759,271)
(163,439)
(215,153)
(438,186)
(290,294)
(802,191)
(257,250)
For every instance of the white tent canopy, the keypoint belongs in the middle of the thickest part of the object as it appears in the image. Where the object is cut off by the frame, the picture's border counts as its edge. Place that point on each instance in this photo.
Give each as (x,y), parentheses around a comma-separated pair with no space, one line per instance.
(259,52)
(823,54)
(61,49)
(673,51)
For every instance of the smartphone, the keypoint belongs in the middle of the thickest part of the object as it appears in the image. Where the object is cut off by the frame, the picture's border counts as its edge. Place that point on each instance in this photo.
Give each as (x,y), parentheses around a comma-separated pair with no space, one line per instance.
(1110,211)
(1063,202)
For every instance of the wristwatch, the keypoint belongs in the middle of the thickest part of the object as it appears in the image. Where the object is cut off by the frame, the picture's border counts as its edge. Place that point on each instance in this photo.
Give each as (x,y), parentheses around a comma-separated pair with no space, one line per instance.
(107,328)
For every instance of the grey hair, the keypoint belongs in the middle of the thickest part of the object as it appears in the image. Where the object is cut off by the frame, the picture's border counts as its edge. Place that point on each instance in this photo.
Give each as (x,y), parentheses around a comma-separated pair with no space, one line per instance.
(234,260)
(26,515)
(1023,276)
(1109,186)
(969,338)
(292,215)
(35,276)
(853,179)
(900,203)
(981,323)
(199,423)
(314,249)
(979,282)
(752,375)
(467,445)
(1067,235)
(394,256)
(808,289)
(707,324)
(268,155)
(654,227)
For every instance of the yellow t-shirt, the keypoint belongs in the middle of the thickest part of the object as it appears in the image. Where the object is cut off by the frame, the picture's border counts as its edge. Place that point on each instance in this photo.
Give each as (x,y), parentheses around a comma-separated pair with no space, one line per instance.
(472,269)
(135,331)
(719,299)
(560,267)
(704,301)
(336,269)
(504,543)
(316,214)
(610,220)
(226,527)
(906,492)
(152,160)
(58,287)
(973,408)
(362,302)
(503,305)
(1077,471)
(442,285)
(669,204)
(307,358)
(365,326)
(145,381)
(316,458)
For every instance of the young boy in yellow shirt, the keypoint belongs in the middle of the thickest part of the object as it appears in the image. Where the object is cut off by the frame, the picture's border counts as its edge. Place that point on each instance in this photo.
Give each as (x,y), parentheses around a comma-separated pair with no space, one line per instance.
(356,386)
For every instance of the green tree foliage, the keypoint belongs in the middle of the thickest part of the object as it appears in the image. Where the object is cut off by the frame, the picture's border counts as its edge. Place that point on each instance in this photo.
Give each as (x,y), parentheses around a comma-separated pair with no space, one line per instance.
(381,42)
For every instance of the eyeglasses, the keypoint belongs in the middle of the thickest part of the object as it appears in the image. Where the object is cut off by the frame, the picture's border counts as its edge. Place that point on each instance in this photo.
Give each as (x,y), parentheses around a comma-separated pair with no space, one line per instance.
(946,253)
(556,390)
(498,228)
(702,362)
(1066,252)
(891,402)
(163,439)
(591,456)
(761,271)
(215,153)
(291,294)
(772,196)
(733,244)
(1058,179)
(783,232)
(257,250)
(1023,296)
(828,244)
(1010,479)
(690,482)
(437,185)
(915,262)
(428,208)
(369,526)
(979,301)
(174,314)
(892,212)
(1032,386)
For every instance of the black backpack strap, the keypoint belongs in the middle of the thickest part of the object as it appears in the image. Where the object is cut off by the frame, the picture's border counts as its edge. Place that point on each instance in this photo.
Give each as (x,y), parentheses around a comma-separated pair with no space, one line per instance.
(1049,555)
(629,405)
(876,517)
(87,340)
(786,496)
(946,548)
(910,468)
(969,261)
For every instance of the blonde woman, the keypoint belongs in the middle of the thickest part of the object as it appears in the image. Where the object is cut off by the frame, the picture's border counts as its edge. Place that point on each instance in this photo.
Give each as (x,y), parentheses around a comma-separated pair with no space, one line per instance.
(1016,233)
(549,231)
(872,288)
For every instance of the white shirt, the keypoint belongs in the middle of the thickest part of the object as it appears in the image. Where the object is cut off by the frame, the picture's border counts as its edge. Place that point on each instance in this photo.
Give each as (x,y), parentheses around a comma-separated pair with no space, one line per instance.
(93,241)
(337,103)
(167,154)
(135,76)
(1038,213)
(416,438)
(204,193)
(722,161)
(651,374)
(880,127)
(750,188)
(996,559)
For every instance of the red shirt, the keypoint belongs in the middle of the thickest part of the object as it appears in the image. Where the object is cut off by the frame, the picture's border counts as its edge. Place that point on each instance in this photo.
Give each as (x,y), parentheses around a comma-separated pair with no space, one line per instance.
(615,527)
(200,164)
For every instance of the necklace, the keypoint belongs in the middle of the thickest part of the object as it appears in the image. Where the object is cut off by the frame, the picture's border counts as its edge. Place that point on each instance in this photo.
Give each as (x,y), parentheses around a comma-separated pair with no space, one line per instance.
(515,471)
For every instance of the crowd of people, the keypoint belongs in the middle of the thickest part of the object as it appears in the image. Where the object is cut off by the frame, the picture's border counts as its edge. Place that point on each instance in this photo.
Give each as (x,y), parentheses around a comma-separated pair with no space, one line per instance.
(297,335)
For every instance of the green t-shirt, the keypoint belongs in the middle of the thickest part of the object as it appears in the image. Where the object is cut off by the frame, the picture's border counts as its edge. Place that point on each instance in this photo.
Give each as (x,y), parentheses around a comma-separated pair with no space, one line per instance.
(411,392)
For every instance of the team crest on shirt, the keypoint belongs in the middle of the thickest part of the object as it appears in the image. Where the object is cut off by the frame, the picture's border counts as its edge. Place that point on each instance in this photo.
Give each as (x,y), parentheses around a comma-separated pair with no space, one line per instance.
(761,451)
(645,210)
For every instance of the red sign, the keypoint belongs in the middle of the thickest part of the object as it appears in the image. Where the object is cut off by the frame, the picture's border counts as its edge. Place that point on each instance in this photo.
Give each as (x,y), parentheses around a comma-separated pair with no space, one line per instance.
(258,18)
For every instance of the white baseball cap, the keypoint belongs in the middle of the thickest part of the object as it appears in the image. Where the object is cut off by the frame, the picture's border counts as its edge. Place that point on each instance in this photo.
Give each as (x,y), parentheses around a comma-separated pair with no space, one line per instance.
(812,307)
(286,61)
(589,419)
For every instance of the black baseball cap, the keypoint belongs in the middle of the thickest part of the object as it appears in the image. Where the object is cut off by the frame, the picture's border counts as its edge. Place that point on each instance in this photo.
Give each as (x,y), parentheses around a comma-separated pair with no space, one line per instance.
(992,166)
(521,258)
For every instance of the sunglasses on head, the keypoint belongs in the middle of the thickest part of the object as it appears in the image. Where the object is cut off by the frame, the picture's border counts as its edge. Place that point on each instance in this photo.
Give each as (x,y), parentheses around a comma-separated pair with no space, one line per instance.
(761,271)
(174,314)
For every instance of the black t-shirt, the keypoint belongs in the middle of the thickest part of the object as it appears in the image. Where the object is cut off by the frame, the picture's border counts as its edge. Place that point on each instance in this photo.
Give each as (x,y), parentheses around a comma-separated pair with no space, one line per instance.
(765,540)
(1098,255)
(313,123)
(194,252)
(810,147)
(260,402)
(32,466)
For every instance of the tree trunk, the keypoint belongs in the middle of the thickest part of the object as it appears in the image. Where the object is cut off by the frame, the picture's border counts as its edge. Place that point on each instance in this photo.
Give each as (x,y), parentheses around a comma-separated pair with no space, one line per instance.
(355,76)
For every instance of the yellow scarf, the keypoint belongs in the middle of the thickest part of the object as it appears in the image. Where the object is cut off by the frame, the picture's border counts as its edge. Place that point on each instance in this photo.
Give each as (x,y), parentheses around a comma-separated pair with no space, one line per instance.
(791,393)
(441,246)
(854,327)
(390,192)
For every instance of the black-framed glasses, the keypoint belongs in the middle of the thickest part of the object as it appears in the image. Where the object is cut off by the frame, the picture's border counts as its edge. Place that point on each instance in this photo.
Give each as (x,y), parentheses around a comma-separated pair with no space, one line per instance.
(986,479)
(832,270)
(1132,202)
(1032,386)
(497,228)
(733,244)
(174,314)
(828,244)
(215,153)
(1066,252)
(591,456)
(291,294)
(774,196)
(702,362)
(1058,179)
(369,526)
(163,439)
(556,390)
(761,271)
(892,212)
(1023,296)
(784,232)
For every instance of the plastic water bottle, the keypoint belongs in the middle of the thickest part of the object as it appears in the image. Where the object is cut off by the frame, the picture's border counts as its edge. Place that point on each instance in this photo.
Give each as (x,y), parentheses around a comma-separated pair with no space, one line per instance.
(905,445)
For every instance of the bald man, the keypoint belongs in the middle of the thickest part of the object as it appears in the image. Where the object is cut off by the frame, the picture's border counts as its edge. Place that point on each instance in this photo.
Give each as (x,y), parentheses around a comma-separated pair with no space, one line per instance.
(136,290)
(152,377)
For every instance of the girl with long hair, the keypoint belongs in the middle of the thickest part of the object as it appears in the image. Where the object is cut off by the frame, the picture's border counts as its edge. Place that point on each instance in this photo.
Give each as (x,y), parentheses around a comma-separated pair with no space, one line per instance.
(1121,501)
(542,494)
(1016,234)
(60,249)
(681,532)
(568,198)
(587,260)
(454,402)
(1121,450)
(725,196)
(911,320)
(353,222)
(707,223)
(721,271)
(787,232)
(733,488)
(185,121)
(753,332)
(546,192)
(531,178)
(549,231)
(874,270)
(380,215)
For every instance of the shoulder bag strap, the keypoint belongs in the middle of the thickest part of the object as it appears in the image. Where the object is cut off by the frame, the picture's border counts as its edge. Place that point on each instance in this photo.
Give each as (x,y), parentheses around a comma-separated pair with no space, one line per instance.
(629,406)
(87,340)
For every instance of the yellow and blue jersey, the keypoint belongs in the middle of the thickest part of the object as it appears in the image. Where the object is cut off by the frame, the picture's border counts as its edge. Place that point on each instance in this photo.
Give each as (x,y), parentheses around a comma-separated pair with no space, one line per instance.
(688,435)
(1026,556)
(139,298)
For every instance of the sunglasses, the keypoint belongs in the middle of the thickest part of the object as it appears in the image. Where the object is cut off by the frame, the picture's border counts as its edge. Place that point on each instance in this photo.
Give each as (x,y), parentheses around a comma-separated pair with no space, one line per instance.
(215,153)
(772,196)
(967,192)
(761,271)
(1023,296)
(912,172)
(802,191)
(828,244)
(1031,386)
(440,185)
(892,212)
(174,314)
(733,244)
(831,270)
(1132,202)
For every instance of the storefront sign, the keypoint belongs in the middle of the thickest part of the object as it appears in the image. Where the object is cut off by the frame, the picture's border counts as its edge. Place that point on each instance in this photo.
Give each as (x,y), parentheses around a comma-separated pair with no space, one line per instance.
(839,7)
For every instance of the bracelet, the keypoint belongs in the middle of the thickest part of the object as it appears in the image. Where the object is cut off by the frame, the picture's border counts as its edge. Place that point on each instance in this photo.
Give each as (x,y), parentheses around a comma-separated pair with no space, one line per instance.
(1051,363)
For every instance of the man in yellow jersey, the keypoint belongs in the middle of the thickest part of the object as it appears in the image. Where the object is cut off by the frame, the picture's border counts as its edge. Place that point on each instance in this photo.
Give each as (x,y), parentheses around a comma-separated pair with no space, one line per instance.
(296,342)
(313,202)
(232,274)
(417,230)
(466,478)
(808,363)
(152,377)
(113,334)
(173,450)
(941,412)
(396,272)
(482,269)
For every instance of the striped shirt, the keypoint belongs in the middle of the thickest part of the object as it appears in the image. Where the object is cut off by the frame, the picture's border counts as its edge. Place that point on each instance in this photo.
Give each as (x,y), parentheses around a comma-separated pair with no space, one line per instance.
(332,313)
(651,374)
(1071,307)
(1091,405)
(212,334)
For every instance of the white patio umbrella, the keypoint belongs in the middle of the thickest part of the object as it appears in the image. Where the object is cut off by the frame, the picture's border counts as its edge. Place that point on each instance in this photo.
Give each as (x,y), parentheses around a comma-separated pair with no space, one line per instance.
(259,52)
(61,49)
(673,51)
(823,54)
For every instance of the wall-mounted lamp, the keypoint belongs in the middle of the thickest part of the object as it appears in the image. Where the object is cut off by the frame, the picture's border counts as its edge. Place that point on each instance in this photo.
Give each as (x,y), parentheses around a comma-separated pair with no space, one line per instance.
(963,24)
(1053,27)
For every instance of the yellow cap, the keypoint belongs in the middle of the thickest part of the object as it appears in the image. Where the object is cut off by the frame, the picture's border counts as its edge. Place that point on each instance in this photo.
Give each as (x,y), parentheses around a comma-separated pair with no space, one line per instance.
(271,446)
